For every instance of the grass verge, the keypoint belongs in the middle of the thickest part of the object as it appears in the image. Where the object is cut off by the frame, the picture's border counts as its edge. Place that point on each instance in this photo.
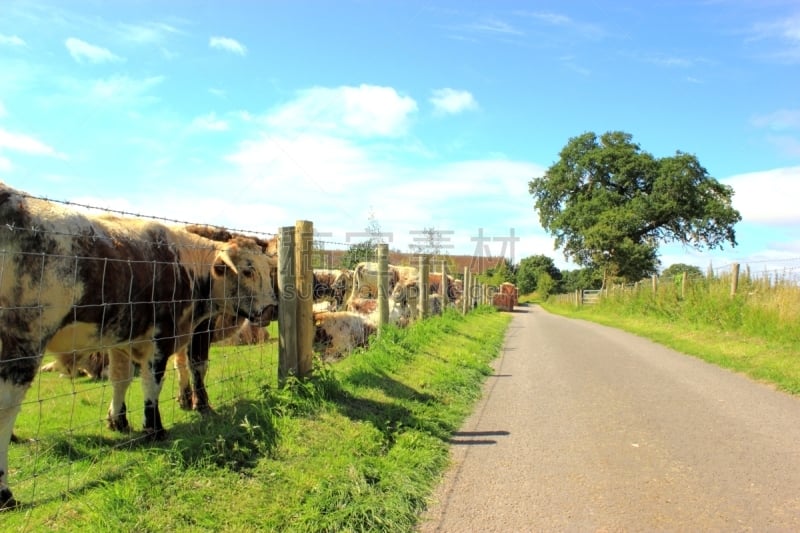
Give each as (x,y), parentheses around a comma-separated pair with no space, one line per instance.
(358,447)
(764,357)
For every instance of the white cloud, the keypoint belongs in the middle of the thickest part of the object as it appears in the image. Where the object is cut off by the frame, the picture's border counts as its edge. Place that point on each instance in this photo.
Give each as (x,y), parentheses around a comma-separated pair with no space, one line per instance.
(782,36)
(122,89)
(227,44)
(11,40)
(82,51)
(780,120)
(494,26)
(148,33)
(768,197)
(366,110)
(451,101)
(25,144)
(209,122)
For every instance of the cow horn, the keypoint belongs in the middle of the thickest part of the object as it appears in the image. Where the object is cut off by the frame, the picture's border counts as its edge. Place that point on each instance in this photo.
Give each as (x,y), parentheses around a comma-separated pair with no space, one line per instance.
(227,260)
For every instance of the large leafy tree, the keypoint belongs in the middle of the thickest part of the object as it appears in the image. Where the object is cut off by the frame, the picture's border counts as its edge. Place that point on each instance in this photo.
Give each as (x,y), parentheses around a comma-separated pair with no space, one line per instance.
(609,205)
(531,269)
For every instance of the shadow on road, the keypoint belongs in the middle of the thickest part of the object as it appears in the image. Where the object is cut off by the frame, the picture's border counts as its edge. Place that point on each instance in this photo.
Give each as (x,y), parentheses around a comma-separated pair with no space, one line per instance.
(469,438)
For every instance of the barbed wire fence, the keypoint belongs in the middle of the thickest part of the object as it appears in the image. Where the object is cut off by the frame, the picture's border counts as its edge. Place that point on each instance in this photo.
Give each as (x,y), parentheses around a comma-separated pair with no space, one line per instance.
(62,438)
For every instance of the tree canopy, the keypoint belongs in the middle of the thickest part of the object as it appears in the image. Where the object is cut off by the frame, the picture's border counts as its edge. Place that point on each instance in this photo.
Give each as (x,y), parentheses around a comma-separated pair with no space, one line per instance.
(609,205)
(679,268)
(531,269)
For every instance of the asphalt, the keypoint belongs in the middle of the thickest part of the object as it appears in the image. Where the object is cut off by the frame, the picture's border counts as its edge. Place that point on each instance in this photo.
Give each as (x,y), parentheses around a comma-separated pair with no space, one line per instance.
(587,428)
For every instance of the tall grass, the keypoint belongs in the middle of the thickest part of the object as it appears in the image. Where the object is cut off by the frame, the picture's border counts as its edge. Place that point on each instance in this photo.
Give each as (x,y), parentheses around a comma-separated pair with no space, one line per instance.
(763,307)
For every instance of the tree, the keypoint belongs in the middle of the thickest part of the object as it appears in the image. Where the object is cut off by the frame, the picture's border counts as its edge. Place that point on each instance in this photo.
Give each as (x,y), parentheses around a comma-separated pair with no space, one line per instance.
(545,285)
(609,205)
(583,278)
(679,268)
(503,272)
(531,268)
(364,251)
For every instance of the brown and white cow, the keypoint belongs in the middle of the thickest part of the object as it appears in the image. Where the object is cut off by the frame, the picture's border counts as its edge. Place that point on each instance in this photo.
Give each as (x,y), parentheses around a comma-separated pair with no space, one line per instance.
(337,333)
(332,285)
(73,283)
(193,359)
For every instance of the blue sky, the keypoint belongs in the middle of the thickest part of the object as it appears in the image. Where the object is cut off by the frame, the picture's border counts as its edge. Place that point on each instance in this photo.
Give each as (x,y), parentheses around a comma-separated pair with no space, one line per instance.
(255,114)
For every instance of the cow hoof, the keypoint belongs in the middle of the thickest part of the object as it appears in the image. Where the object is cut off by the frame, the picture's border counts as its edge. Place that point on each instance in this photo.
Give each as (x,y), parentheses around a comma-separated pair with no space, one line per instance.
(7,501)
(185,400)
(119,424)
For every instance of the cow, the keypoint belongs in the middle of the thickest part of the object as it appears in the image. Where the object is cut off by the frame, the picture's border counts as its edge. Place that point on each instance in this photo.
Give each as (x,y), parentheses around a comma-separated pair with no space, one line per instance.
(74,282)
(193,359)
(338,333)
(332,285)
(365,280)
(91,364)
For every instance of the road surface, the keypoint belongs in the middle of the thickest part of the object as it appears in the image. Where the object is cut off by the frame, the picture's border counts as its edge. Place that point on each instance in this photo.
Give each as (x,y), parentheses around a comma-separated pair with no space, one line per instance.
(587,428)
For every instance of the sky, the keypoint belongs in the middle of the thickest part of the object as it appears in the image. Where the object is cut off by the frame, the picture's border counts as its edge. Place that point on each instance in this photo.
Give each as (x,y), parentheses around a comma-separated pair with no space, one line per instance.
(409,115)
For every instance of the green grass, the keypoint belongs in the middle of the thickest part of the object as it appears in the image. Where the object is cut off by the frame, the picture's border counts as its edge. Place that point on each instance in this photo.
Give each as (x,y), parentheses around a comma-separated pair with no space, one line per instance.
(754,332)
(358,447)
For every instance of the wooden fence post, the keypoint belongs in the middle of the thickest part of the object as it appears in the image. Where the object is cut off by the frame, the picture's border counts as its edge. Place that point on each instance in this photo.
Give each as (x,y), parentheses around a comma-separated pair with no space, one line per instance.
(287,306)
(465,293)
(383,286)
(734,278)
(443,285)
(304,241)
(469,291)
(684,280)
(423,285)
(655,283)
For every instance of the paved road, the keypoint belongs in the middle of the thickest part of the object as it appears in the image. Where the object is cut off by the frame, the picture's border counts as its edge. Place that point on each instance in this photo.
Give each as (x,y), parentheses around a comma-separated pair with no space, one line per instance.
(587,428)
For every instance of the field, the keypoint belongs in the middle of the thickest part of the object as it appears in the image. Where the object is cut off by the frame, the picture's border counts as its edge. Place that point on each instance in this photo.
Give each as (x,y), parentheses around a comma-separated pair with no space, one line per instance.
(359,447)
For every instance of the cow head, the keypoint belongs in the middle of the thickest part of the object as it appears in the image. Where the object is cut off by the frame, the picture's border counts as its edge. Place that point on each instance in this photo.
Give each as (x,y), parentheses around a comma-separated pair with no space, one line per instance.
(241,282)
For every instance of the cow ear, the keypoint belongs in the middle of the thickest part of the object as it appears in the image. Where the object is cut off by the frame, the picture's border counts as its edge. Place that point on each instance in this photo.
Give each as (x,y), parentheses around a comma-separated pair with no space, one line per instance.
(224,261)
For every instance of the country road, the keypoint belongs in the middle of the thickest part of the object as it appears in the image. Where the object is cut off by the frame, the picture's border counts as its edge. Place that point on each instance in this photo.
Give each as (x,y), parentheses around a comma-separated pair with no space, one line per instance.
(587,428)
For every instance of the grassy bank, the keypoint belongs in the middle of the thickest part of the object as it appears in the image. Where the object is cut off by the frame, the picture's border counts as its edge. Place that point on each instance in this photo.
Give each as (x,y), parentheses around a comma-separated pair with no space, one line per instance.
(357,448)
(755,331)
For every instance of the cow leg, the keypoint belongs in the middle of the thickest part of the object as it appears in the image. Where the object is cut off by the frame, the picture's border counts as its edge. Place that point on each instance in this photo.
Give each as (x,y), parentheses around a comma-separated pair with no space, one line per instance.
(152,380)
(120,374)
(18,367)
(198,366)
(11,397)
(181,364)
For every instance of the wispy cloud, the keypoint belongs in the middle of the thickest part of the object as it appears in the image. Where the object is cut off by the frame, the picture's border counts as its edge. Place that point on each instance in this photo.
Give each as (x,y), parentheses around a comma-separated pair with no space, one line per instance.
(149,32)
(452,101)
(564,22)
(780,120)
(782,36)
(11,40)
(366,110)
(209,122)
(122,89)
(19,142)
(81,51)
(495,26)
(227,44)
